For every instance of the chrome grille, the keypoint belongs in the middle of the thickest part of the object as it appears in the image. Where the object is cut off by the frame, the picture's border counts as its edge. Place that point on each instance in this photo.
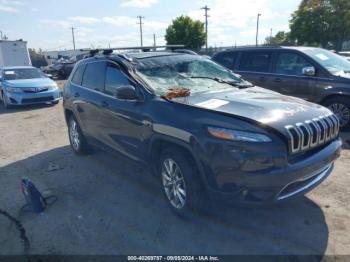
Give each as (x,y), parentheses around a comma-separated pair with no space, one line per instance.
(312,133)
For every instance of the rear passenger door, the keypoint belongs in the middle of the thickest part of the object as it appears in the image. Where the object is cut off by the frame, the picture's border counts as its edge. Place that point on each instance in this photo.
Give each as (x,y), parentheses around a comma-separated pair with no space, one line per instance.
(288,77)
(255,66)
(89,98)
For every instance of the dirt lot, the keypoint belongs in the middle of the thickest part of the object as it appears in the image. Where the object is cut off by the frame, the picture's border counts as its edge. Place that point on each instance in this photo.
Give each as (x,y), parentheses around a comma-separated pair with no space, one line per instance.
(107,205)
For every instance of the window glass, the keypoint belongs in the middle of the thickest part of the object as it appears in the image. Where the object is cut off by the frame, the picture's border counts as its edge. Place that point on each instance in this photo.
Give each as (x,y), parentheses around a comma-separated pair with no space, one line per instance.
(23,73)
(226,59)
(334,63)
(195,73)
(255,61)
(94,76)
(78,75)
(291,64)
(115,78)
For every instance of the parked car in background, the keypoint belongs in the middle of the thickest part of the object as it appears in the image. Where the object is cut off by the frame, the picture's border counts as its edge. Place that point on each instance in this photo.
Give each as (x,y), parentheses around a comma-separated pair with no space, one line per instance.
(59,70)
(345,54)
(203,130)
(26,85)
(313,74)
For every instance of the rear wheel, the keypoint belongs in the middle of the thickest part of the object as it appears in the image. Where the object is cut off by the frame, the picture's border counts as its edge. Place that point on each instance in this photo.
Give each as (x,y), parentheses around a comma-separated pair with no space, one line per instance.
(340,106)
(181,185)
(76,137)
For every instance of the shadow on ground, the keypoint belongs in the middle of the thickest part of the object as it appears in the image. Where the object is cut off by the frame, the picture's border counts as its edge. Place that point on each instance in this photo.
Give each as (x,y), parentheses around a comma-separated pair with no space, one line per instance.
(346,140)
(27,108)
(108,205)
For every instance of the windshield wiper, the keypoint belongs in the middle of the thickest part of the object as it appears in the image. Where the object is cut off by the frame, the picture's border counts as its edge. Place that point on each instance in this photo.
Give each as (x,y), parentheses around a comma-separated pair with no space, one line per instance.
(219,80)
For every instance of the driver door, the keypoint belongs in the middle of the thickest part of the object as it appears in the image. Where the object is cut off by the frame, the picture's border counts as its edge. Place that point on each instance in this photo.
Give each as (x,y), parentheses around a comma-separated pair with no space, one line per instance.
(288,77)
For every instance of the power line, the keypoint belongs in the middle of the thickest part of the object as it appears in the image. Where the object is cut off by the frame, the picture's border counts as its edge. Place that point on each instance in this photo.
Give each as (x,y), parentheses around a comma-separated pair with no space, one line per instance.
(206,9)
(72,28)
(140,23)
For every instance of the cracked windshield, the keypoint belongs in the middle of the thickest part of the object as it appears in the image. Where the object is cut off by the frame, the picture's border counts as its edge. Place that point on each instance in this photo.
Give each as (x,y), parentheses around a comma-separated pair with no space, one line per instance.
(197,74)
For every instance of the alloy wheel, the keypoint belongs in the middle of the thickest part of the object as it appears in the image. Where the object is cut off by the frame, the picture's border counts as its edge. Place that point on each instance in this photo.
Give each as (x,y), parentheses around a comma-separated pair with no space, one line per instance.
(174,183)
(342,112)
(74,134)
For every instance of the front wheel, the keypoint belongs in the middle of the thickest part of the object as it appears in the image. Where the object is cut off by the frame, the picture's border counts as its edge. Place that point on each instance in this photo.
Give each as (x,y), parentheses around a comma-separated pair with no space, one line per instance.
(4,100)
(76,137)
(340,106)
(180,182)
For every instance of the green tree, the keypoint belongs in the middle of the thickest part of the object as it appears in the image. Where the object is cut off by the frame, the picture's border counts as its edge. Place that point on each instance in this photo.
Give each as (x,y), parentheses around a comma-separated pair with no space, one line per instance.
(37,57)
(186,31)
(321,22)
(281,38)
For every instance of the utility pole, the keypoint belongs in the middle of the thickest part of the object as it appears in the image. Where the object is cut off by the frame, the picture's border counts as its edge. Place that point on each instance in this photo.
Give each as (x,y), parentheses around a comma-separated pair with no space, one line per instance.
(73,37)
(140,23)
(154,40)
(257,29)
(271,36)
(206,9)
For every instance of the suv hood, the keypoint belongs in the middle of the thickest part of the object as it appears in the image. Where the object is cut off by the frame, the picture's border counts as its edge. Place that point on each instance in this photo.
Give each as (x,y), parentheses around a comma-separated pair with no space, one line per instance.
(36,82)
(258,104)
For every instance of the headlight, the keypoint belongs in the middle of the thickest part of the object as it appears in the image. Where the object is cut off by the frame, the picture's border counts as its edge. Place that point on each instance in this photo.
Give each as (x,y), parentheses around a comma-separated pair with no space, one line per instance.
(236,135)
(14,89)
(52,87)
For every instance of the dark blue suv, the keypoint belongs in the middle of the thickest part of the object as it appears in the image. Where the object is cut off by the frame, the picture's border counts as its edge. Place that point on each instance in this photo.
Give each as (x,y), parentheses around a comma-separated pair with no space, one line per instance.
(313,74)
(206,133)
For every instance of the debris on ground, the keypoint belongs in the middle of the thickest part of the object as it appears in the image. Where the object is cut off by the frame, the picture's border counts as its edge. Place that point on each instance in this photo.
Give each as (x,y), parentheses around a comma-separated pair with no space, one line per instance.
(53,167)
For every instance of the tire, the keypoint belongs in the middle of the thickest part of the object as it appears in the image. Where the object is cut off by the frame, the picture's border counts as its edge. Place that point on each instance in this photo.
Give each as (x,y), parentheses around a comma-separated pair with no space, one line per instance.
(180,182)
(6,105)
(55,102)
(341,108)
(76,137)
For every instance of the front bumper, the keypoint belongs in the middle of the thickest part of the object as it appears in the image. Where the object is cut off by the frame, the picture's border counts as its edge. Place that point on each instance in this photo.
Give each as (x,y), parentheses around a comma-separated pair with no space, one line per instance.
(33,98)
(276,184)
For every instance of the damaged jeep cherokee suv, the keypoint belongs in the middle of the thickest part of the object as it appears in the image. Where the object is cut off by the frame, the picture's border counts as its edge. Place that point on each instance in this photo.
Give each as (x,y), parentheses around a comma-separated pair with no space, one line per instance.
(207,133)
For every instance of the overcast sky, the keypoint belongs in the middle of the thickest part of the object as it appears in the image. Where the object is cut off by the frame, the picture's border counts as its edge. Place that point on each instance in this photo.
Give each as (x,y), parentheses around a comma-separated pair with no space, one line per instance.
(46,24)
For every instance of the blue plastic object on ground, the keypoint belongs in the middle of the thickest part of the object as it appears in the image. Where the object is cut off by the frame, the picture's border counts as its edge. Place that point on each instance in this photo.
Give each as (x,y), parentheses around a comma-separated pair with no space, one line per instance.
(34,198)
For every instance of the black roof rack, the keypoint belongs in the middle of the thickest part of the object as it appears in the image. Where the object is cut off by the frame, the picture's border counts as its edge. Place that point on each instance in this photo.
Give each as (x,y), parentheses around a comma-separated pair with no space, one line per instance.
(108,51)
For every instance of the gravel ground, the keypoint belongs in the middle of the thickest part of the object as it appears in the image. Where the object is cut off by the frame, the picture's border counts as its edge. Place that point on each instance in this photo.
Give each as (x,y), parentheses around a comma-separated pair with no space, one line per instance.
(109,205)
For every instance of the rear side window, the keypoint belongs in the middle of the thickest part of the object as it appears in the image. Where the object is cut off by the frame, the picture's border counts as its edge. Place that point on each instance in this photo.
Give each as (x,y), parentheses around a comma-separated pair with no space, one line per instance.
(78,75)
(94,76)
(255,61)
(115,78)
(226,59)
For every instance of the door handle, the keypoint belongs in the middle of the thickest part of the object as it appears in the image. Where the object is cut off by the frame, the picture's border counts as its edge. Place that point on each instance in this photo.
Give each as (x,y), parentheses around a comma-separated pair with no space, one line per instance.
(278,80)
(261,78)
(104,104)
(76,94)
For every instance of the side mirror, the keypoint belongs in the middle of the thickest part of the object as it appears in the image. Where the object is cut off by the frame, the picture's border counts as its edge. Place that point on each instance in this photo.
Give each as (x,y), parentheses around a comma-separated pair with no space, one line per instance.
(126,93)
(309,71)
